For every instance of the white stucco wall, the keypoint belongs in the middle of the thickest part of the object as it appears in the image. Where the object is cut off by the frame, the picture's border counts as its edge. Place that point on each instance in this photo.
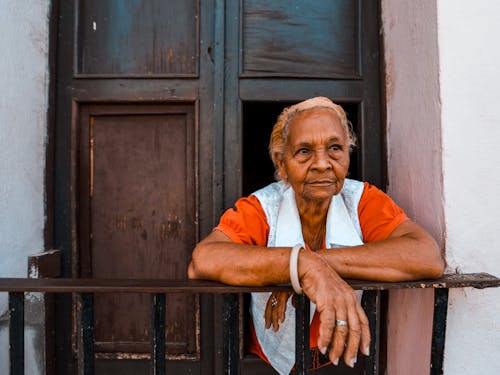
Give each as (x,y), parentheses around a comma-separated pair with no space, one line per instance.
(470,80)
(23,108)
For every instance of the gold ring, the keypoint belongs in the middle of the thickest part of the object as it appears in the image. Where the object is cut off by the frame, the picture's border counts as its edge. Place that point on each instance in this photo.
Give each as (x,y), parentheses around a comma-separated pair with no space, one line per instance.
(274,301)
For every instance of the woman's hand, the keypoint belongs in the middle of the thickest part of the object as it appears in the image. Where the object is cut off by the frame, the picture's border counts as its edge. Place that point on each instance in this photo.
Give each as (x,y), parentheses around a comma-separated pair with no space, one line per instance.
(275,309)
(343,323)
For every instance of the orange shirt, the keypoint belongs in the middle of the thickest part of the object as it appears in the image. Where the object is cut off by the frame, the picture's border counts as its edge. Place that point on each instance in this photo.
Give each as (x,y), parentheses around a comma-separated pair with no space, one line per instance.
(246,223)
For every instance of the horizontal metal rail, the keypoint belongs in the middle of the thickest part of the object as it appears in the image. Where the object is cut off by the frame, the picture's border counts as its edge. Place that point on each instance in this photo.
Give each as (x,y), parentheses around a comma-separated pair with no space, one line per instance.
(62,285)
(16,287)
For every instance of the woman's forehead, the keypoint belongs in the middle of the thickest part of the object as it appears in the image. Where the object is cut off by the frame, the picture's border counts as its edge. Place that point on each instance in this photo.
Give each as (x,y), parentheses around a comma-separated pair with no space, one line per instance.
(315,125)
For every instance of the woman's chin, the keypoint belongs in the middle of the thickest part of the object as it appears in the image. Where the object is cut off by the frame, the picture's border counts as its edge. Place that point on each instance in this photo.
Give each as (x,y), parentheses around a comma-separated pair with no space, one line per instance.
(319,194)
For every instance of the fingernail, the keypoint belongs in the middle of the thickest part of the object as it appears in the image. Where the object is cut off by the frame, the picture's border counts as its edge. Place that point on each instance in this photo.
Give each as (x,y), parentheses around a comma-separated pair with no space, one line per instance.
(353,361)
(336,362)
(367,350)
(323,350)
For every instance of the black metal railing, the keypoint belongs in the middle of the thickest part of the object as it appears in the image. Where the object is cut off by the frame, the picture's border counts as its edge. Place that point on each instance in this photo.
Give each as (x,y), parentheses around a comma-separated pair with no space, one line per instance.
(160,288)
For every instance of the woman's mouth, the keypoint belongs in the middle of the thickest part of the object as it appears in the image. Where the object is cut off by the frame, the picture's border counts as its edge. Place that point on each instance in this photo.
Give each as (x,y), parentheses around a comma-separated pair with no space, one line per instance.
(321,182)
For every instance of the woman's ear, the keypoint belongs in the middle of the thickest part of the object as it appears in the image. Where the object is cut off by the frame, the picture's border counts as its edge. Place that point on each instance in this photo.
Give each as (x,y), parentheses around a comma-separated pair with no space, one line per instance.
(280,164)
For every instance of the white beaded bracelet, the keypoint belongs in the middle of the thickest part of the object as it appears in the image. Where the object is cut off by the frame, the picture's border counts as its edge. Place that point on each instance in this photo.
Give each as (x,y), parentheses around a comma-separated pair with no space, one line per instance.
(294,265)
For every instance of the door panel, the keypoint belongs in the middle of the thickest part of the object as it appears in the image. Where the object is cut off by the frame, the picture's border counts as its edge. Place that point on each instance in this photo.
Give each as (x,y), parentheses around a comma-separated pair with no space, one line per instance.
(308,39)
(141,173)
(138,38)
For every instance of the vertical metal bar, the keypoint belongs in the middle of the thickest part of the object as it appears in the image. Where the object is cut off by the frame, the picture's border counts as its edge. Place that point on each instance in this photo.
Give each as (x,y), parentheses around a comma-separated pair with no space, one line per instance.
(439,330)
(158,340)
(371,305)
(88,333)
(16,333)
(302,349)
(230,334)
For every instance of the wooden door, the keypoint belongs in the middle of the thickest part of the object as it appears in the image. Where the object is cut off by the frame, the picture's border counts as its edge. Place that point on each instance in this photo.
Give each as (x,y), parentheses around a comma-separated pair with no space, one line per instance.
(134,151)
(163,113)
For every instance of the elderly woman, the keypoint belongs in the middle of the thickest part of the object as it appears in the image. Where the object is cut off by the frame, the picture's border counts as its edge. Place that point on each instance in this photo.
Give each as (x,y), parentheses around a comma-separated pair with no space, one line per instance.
(313,228)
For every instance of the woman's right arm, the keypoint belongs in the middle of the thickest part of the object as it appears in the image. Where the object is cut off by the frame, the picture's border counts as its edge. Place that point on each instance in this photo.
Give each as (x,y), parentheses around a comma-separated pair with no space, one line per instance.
(218,258)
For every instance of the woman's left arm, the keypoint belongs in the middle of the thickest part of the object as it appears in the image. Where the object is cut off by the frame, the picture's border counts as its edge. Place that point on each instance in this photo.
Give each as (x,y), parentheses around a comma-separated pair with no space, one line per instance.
(409,253)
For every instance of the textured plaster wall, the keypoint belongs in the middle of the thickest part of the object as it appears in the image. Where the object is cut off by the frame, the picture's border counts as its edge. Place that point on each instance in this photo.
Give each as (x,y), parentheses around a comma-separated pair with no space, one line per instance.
(470,78)
(23,107)
(414,162)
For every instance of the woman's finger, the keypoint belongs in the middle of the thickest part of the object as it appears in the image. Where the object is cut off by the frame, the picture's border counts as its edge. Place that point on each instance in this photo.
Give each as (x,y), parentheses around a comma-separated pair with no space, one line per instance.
(268,312)
(339,336)
(282,307)
(354,336)
(365,331)
(326,328)
(275,318)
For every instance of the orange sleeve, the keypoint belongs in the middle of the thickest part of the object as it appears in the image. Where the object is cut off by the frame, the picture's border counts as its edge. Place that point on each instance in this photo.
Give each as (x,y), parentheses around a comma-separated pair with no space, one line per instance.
(245,223)
(378,214)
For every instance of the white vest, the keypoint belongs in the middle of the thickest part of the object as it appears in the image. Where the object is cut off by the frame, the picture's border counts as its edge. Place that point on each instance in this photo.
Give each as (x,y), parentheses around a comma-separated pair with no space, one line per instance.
(342,229)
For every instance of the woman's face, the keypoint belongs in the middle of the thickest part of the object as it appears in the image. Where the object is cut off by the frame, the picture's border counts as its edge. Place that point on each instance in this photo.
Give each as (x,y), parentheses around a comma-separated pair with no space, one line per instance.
(316,157)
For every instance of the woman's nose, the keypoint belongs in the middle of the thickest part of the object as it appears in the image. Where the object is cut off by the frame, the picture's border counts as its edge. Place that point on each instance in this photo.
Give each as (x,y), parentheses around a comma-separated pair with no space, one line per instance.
(321,161)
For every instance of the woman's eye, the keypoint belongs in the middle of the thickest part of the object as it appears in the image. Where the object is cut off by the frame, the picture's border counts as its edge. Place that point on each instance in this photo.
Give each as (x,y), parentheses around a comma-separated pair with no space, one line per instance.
(303,151)
(336,147)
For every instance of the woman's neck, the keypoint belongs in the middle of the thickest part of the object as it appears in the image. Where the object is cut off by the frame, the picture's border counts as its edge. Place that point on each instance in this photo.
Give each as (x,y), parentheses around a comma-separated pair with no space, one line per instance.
(313,220)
